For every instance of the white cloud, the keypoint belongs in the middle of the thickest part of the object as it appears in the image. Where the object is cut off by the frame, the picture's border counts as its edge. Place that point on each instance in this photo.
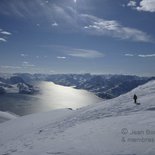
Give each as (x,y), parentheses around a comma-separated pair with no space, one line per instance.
(2,40)
(5,33)
(75,52)
(10,67)
(83,53)
(129,55)
(38,25)
(140,55)
(144,5)
(146,55)
(23,55)
(61,57)
(55,24)
(147,5)
(71,20)
(27,64)
(132,3)
(98,26)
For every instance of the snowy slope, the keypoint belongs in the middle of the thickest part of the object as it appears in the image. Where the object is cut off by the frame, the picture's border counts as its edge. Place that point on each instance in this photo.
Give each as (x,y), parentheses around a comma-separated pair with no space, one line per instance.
(5,116)
(101,129)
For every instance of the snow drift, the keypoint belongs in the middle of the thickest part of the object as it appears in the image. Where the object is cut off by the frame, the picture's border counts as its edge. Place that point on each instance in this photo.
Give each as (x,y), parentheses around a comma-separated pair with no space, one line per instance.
(113,127)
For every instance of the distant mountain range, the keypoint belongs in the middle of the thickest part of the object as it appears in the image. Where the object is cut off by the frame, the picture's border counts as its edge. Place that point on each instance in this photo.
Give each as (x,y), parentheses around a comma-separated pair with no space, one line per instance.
(104,86)
(15,84)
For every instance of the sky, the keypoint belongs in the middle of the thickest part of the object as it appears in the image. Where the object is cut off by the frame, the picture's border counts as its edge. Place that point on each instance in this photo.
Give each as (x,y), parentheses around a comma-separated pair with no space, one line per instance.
(77,36)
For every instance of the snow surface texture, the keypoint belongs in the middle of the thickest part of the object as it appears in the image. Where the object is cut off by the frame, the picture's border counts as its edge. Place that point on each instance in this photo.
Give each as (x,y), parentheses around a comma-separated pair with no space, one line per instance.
(5,116)
(100,129)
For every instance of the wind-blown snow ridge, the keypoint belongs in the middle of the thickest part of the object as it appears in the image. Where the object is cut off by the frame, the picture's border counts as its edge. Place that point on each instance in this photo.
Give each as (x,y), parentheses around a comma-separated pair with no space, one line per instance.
(91,130)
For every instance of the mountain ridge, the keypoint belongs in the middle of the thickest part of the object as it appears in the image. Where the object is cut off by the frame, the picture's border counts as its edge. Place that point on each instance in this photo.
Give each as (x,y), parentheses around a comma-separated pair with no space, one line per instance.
(104,86)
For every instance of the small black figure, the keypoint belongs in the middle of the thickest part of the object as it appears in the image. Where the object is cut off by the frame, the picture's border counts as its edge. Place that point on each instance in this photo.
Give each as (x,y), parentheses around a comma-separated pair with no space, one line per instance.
(135,98)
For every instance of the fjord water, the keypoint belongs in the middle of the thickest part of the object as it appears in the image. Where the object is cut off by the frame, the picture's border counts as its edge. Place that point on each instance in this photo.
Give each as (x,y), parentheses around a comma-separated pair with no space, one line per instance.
(51,96)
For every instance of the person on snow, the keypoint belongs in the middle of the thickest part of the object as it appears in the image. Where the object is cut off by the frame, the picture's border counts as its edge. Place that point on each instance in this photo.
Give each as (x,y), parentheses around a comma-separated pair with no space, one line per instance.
(135,98)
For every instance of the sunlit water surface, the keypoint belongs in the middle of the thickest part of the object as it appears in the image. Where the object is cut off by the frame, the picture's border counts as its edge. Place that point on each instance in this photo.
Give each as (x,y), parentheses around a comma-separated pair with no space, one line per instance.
(51,96)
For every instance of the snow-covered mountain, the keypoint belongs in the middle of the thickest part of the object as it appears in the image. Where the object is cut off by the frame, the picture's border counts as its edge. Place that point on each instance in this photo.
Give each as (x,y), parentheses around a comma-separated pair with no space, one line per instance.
(104,86)
(15,84)
(113,127)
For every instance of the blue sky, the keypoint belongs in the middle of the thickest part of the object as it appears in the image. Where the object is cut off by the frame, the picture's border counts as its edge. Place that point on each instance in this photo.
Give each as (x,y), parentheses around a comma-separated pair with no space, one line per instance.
(78,36)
